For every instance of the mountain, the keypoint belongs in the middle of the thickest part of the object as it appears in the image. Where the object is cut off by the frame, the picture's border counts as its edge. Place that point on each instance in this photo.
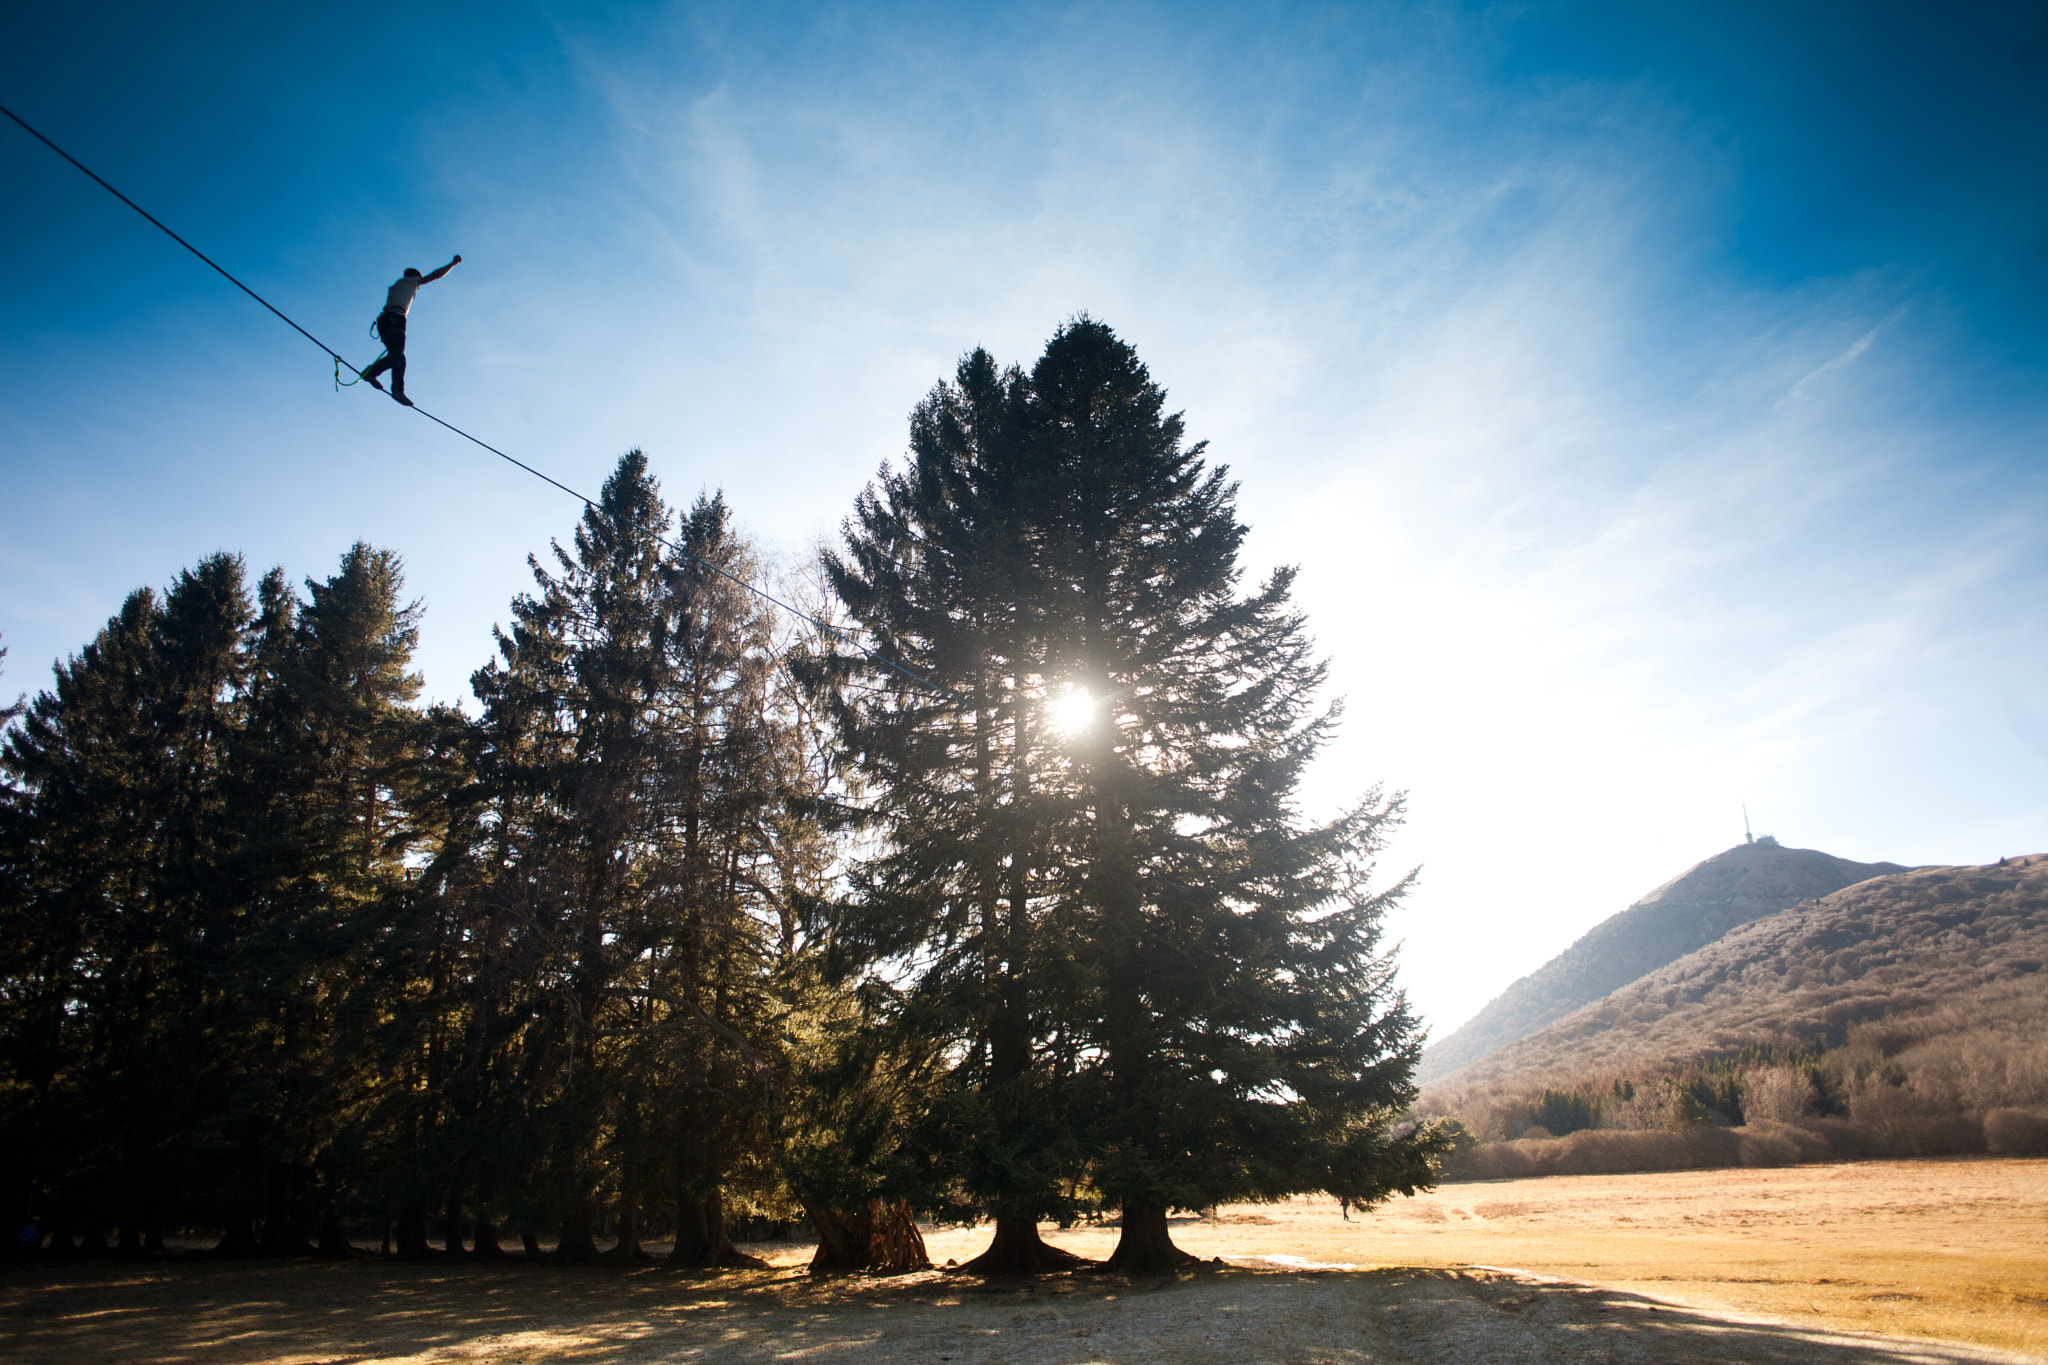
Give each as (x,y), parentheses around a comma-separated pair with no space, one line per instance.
(1688,912)
(1956,950)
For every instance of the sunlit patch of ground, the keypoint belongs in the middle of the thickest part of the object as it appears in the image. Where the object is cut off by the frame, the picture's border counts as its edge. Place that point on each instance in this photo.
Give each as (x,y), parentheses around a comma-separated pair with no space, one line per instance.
(1805,1264)
(1954,1249)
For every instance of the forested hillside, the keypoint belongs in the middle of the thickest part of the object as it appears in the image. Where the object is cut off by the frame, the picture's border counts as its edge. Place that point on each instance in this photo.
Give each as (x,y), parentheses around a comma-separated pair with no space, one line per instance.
(1691,910)
(1901,1015)
(977,891)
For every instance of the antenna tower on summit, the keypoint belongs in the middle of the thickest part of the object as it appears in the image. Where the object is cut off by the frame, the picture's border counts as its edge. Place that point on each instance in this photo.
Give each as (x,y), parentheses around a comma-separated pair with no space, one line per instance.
(1747,837)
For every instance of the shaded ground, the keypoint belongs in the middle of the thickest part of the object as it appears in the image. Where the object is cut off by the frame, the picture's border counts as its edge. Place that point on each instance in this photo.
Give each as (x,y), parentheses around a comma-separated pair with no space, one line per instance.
(1765,1266)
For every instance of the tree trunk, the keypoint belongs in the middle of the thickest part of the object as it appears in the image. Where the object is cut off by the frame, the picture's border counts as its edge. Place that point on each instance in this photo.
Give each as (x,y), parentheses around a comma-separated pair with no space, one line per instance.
(628,1252)
(1145,1247)
(412,1235)
(843,1240)
(487,1248)
(578,1244)
(1019,1250)
(529,1243)
(239,1239)
(701,1240)
(454,1218)
(284,1230)
(333,1236)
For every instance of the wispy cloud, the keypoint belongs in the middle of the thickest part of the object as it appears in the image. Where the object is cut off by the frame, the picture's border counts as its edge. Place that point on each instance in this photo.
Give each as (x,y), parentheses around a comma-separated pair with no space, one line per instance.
(1819,375)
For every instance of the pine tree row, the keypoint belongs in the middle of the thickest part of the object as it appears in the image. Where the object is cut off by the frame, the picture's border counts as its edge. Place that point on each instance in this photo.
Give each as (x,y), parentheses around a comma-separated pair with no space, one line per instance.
(702,910)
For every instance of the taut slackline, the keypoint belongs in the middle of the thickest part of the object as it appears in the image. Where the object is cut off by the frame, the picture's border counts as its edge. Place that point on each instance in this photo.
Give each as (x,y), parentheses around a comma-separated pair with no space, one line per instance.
(830,630)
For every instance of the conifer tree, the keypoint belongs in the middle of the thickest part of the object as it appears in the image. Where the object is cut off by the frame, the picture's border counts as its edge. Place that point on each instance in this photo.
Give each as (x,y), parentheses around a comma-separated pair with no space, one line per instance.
(627,749)
(941,563)
(708,1001)
(126,838)
(1246,1024)
(79,822)
(328,797)
(846,1091)
(576,686)
(1205,1013)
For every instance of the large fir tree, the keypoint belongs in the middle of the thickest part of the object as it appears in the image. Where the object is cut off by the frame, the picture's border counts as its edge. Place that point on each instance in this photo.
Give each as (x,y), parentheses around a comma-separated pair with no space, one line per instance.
(1248,1035)
(942,562)
(628,754)
(1162,978)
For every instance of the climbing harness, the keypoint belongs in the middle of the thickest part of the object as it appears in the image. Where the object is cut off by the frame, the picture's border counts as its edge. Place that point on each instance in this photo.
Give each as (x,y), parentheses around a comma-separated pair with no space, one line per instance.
(339,382)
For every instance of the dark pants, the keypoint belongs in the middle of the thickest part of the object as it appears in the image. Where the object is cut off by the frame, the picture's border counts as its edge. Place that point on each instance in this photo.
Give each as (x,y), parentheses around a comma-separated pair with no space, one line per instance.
(390,331)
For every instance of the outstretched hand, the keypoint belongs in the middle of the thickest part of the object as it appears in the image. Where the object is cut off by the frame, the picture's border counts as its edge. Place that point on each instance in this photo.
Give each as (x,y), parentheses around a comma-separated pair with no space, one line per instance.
(456,261)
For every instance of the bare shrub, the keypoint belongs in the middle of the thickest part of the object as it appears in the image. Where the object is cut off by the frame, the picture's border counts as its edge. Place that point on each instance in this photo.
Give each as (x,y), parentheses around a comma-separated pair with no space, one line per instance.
(1647,1109)
(1608,1151)
(1907,1123)
(1765,1143)
(1600,1150)
(1945,1135)
(1779,1094)
(1976,1070)
(1495,1161)
(2017,1132)
(1846,1139)
(1605,1151)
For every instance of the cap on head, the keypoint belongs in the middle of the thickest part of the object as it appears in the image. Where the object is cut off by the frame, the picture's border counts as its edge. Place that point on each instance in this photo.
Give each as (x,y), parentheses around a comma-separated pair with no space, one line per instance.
(412,270)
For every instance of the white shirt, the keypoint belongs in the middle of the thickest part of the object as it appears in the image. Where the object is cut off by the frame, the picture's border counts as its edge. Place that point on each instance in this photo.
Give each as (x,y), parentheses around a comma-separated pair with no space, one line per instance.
(399,300)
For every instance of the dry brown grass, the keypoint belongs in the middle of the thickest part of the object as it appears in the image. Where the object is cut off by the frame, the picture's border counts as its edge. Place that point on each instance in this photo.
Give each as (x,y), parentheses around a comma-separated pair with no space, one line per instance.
(1952,1249)
(1790,1265)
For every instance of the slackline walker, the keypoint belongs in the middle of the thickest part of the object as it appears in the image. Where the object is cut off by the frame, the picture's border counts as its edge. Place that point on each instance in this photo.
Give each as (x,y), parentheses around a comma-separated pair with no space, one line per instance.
(394,360)
(390,327)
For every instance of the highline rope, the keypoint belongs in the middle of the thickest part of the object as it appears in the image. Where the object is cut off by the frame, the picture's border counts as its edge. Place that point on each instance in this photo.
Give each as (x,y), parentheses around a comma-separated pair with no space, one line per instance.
(340,363)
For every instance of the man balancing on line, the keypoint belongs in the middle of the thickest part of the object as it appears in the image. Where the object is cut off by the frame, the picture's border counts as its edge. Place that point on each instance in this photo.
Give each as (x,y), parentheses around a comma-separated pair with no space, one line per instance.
(391,328)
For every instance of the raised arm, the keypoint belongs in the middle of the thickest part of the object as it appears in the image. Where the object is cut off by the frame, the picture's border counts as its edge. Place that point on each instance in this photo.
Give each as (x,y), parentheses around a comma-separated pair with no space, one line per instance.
(429,279)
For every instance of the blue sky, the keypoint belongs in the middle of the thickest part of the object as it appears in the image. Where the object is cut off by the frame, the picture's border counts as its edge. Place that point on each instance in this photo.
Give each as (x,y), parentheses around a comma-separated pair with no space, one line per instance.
(1653,396)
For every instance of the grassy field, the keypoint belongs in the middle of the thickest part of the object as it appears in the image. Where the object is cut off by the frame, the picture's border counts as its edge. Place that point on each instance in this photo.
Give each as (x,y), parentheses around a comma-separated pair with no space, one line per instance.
(1872,1263)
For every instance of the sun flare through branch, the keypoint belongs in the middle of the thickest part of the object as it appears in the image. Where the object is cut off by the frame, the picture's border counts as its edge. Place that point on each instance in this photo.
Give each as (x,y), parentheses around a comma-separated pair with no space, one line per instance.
(1073,711)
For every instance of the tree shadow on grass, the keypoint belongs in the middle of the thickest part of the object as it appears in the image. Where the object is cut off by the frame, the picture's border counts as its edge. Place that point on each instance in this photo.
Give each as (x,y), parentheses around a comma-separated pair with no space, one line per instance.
(309,1313)
(1515,1318)
(321,1312)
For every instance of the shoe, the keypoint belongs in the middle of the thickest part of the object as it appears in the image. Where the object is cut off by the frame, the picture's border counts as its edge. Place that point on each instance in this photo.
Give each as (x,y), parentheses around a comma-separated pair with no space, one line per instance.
(371,380)
(402,398)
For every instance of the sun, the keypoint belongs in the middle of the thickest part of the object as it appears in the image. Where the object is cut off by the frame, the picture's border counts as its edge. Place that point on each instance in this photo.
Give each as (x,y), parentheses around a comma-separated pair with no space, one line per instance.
(1073,711)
